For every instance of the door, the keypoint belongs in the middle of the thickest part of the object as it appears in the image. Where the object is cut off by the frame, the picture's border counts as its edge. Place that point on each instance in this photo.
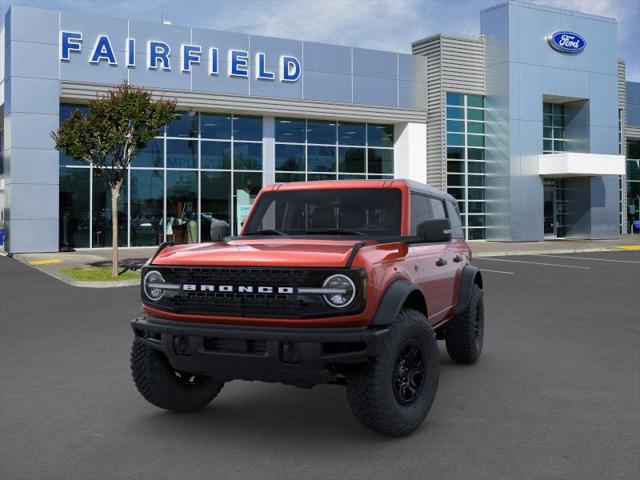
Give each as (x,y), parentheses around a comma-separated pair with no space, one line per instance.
(449,262)
(554,208)
(435,267)
(560,208)
(549,221)
(461,250)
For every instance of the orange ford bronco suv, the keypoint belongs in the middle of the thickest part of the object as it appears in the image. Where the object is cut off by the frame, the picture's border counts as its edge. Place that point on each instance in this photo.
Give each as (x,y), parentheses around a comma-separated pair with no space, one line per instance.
(343,282)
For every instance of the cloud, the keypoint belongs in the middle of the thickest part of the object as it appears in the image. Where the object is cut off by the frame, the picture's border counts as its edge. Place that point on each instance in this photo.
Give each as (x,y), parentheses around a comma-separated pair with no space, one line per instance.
(364,23)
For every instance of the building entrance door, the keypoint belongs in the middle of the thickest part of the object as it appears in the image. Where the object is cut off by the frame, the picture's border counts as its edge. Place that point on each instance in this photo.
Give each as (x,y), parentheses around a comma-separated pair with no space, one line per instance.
(554,208)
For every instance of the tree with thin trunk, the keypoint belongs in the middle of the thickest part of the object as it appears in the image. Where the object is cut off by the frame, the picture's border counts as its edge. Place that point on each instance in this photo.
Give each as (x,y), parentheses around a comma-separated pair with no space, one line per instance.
(110,135)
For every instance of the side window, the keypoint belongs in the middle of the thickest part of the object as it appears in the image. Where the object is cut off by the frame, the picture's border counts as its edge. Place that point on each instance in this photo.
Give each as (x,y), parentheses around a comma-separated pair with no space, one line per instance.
(437,207)
(456,222)
(420,211)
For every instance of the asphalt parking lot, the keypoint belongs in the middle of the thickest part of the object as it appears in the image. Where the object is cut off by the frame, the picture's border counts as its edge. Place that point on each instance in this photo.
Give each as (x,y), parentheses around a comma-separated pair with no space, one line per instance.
(556,394)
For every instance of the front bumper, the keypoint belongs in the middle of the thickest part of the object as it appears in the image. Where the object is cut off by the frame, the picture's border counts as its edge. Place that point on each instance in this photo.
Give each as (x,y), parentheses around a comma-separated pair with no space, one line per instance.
(298,356)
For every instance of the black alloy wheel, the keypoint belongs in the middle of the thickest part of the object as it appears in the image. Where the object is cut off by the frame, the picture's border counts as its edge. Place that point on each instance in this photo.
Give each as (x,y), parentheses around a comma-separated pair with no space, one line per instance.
(408,374)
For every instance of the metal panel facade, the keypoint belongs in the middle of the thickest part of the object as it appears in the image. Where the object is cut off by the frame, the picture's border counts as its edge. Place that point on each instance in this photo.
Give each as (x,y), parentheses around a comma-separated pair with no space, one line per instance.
(330,73)
(455,64)
(30,114)
(521,69)
(436,163)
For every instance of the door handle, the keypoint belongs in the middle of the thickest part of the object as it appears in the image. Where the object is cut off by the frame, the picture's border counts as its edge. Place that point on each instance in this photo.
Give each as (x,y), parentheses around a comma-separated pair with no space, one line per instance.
(441,262)
(457,259)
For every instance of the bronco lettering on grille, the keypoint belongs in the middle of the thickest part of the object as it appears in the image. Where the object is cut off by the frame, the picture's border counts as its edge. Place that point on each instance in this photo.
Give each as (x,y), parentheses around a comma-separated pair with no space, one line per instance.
(192,287)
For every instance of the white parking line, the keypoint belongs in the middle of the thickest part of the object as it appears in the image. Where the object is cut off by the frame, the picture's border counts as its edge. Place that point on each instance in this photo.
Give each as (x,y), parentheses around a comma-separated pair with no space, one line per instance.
(497,271)
(532,263)
(591,258)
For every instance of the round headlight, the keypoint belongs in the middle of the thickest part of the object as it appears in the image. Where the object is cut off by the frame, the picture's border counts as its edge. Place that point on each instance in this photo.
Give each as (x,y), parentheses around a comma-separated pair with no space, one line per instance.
(152,285)
(344,291)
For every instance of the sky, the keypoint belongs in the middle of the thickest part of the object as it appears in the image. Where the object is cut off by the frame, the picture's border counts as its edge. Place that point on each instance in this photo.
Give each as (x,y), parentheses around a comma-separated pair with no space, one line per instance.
(378,24)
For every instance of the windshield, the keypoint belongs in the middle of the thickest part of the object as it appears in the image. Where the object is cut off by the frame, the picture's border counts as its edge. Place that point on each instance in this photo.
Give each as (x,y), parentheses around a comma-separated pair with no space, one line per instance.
(346,211)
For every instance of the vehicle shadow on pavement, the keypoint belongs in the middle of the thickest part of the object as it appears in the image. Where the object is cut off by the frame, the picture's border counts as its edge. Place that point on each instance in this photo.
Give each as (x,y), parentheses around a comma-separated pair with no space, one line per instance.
(282,413)
(263,410)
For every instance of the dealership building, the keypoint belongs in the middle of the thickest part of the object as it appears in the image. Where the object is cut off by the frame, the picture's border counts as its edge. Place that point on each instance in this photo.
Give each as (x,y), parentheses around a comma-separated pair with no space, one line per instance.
(531,126)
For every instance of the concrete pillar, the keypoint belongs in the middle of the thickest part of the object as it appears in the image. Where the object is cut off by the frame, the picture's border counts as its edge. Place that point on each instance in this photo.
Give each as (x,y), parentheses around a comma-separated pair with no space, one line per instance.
(410,151)
(268,151)
(31,112)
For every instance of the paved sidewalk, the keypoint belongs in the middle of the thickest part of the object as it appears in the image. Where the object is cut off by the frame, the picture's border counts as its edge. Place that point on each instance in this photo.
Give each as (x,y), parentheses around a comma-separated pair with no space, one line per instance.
(132,258)
(483,248)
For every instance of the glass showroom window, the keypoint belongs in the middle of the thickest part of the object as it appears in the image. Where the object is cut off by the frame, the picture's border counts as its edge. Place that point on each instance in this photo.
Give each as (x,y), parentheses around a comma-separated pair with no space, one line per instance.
(328,150)
(633,182)
(147,206)
(213,174)
(101,229)
(179,223)
(620,121)
(198,176)
(74,207)
(466,160)
(552,128)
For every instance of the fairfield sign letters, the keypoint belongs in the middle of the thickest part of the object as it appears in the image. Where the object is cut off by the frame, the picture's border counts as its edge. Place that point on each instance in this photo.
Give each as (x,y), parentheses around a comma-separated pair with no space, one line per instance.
(160,57)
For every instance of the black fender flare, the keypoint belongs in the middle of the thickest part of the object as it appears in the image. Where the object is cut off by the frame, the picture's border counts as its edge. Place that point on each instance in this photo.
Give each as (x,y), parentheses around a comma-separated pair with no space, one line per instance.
(392,301)
(470,275)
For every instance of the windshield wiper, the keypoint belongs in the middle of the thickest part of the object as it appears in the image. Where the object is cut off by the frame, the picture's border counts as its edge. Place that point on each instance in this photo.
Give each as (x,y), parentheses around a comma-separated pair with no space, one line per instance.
(336,231)
(266,231)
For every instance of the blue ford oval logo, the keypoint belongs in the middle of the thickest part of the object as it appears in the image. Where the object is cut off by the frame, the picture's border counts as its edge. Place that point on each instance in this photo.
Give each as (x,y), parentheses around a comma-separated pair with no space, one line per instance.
(567,42)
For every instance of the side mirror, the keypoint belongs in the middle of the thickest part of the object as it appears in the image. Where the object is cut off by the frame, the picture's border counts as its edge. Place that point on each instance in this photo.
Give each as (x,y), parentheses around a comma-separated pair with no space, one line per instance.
(437,231)
(219,229)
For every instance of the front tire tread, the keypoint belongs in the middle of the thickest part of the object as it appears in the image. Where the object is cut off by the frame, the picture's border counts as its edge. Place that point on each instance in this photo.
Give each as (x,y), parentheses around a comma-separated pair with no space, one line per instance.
(155,380)
(369,388)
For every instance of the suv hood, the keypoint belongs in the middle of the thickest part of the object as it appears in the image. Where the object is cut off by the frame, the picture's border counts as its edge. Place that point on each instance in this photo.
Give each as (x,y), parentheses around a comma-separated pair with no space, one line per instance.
(261,252)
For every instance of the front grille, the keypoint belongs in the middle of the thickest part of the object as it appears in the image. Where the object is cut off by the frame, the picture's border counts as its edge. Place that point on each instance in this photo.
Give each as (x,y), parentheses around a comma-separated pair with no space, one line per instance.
(237,276)
(234,303)
(251,304)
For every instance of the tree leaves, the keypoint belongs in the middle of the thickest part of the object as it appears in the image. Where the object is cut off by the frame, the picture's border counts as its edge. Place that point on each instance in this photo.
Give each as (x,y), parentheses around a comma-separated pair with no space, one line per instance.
(117,126)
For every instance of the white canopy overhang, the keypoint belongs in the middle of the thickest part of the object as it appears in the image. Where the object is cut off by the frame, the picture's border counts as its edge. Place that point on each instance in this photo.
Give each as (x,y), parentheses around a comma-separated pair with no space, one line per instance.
(574,164)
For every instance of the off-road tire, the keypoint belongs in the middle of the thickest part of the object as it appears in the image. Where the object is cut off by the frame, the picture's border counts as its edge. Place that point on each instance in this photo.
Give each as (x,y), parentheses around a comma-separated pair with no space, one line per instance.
(371,388)
(161,386)
(465,333)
